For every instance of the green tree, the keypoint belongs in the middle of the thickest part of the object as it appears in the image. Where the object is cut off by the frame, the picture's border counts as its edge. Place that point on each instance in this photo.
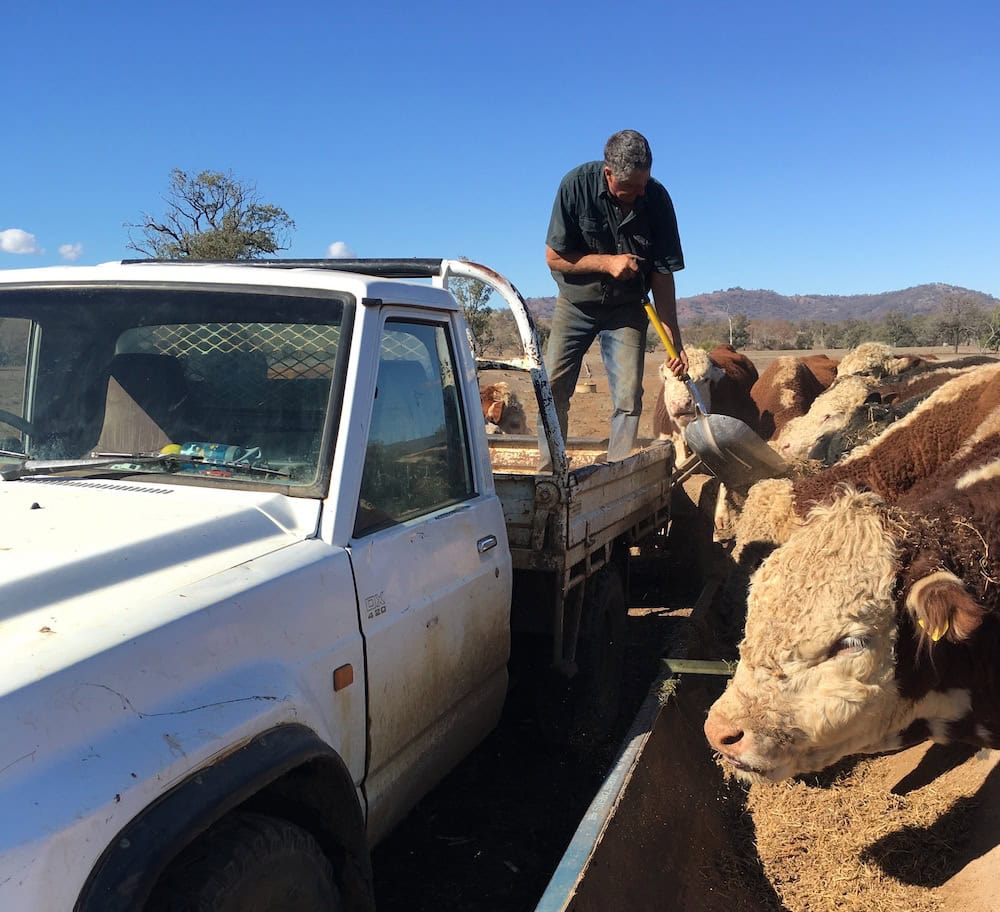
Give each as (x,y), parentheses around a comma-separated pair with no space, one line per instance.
(739,331)
(474,296)
(212,216)
(899,329)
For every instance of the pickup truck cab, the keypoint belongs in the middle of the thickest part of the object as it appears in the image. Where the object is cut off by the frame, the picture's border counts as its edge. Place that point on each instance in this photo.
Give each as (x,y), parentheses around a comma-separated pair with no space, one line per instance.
(255,581)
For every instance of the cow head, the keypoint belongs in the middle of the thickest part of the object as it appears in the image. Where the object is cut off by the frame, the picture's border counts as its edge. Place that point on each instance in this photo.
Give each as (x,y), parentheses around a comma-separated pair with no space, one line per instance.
(502,410)
(677,396)
(829,413)
(818,677)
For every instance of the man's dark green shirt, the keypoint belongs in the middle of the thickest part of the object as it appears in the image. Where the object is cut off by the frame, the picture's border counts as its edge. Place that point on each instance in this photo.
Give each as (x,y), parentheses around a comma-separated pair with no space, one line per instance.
(586,219)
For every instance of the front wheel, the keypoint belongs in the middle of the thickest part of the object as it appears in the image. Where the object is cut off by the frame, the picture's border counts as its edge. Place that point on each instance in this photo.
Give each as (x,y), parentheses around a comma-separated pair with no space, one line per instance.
(249,863)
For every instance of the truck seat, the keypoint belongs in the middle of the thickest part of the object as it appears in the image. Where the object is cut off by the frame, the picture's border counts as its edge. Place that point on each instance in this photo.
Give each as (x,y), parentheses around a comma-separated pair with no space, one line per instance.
(144,405)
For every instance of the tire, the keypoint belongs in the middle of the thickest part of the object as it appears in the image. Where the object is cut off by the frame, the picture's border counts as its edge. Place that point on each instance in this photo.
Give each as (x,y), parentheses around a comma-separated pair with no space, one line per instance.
(249,863)
(582,711)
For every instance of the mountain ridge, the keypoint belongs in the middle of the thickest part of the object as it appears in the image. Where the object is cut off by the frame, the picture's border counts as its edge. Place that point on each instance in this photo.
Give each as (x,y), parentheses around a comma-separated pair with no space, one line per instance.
(764,304)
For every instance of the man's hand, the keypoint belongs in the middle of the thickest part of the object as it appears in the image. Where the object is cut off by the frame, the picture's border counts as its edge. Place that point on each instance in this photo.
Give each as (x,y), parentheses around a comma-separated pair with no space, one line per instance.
(623,265)
(678,366)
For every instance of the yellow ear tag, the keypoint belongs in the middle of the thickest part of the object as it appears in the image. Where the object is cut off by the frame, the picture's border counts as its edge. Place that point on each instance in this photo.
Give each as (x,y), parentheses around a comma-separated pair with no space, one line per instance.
(935,634)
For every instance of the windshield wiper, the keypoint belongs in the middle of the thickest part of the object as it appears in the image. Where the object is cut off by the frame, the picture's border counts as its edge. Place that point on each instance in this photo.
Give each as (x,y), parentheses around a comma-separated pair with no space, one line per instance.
(170,462)
(177,461)
(56,466)
(13,454)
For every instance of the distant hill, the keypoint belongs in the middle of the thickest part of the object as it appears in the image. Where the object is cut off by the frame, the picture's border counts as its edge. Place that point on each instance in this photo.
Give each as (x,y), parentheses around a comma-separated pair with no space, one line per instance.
(760,304)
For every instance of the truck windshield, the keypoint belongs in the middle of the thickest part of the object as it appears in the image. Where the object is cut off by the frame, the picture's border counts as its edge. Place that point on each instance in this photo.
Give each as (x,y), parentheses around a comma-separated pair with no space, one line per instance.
(233,384)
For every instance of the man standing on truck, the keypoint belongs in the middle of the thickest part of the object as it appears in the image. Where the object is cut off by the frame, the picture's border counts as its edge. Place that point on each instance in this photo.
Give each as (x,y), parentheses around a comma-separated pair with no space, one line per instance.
(612,240)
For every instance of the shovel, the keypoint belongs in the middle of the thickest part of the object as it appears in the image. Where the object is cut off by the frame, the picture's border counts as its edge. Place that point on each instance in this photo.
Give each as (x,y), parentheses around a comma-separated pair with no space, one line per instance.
(727,447)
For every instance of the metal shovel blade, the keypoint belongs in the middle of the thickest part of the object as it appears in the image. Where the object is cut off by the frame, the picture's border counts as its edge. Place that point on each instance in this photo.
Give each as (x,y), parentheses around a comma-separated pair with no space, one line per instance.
(731,450)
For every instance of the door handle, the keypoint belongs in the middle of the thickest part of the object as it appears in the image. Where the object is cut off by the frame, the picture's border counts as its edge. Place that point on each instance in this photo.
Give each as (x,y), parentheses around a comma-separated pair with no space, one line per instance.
(484,544)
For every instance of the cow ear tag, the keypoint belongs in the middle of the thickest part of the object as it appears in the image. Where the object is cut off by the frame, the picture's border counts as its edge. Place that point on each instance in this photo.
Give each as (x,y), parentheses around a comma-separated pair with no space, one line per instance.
(936,633)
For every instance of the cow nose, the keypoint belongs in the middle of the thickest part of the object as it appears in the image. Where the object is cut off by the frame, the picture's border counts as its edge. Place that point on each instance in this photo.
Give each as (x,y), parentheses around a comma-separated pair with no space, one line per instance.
(723,735)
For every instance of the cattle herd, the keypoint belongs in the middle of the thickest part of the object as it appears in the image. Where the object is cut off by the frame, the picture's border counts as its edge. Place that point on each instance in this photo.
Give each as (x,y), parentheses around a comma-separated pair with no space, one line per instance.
(865,580)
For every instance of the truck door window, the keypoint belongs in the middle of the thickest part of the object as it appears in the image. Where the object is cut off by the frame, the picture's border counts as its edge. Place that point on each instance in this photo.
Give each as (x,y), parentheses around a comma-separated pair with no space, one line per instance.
(417,457)
(14,336)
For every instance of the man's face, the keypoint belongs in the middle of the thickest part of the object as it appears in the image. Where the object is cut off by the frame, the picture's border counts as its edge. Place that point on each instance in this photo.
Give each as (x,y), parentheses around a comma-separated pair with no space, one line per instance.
(629,189)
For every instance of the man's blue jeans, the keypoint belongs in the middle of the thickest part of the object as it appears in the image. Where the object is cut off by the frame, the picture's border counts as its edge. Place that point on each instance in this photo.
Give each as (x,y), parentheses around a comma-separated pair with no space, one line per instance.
(622,331)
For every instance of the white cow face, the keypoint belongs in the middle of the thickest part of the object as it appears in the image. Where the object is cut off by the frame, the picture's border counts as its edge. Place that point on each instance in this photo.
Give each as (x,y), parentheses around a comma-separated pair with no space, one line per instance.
(677,396)
(815,681)
(831,411)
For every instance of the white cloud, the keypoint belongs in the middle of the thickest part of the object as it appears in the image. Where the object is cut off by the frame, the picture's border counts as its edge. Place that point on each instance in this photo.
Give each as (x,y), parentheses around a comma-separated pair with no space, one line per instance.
(339,250)
(71,251)
(14,240)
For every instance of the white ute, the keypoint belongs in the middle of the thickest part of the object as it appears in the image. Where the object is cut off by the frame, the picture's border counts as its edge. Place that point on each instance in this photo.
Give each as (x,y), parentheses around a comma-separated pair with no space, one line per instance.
(255,577)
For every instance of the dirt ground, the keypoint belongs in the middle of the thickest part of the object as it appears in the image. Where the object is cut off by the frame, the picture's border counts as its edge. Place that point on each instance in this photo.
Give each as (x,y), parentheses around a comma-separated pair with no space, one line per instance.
(489,838)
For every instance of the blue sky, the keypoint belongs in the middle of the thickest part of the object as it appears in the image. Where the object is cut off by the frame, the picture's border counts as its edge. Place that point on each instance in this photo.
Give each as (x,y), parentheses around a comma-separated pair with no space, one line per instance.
(834,148)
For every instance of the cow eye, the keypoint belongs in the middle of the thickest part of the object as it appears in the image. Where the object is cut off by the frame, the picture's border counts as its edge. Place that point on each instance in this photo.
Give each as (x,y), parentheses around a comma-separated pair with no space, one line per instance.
(850,645)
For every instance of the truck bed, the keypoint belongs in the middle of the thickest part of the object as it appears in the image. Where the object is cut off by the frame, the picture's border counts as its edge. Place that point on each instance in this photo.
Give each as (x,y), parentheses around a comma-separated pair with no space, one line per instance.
(555,524)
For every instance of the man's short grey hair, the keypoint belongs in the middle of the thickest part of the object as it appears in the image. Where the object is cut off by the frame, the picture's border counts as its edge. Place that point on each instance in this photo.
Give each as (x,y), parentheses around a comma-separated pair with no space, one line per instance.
(626,152)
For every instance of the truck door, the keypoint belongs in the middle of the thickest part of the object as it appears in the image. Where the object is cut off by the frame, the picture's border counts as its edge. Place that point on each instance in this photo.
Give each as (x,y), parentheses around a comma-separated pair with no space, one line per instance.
(433,573)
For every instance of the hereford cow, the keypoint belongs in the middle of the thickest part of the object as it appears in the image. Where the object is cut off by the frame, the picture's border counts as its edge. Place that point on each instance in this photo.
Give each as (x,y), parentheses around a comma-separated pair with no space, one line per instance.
(785,390)
(502,410)
(849,412)
(823,368)
(887,403)
(872,628)
(830,412)
(943,435)
(878,360)
(934,438)
(723,377)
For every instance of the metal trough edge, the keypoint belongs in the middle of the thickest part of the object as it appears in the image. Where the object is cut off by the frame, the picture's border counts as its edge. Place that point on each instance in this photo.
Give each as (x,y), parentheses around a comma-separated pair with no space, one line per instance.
(570,870)
(669,706)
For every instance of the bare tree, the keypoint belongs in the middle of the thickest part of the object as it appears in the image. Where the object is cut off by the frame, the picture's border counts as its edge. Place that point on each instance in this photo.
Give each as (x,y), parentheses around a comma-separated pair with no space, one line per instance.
(212,216)
(960,320)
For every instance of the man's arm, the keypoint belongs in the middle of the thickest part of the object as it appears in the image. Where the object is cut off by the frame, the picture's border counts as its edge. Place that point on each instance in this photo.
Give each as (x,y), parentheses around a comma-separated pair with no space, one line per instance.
(665,303)
(616,265)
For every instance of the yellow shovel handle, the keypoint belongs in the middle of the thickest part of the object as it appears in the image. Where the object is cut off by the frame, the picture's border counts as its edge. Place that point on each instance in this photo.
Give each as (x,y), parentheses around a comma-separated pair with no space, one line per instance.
(660,331)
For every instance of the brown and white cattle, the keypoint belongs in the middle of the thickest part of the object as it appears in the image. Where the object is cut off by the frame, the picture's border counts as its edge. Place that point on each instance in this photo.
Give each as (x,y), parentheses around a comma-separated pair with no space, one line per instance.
(850,412)
(888,402)
(785,390)
(849,387)
(823,368)
(875,626)
(723,377)
(830,412)
(935,438)
(502,410)
(878,360)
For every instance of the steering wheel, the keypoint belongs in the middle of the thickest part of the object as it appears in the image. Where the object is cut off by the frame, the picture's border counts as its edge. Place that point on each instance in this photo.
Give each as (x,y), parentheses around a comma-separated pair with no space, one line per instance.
(16,422)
